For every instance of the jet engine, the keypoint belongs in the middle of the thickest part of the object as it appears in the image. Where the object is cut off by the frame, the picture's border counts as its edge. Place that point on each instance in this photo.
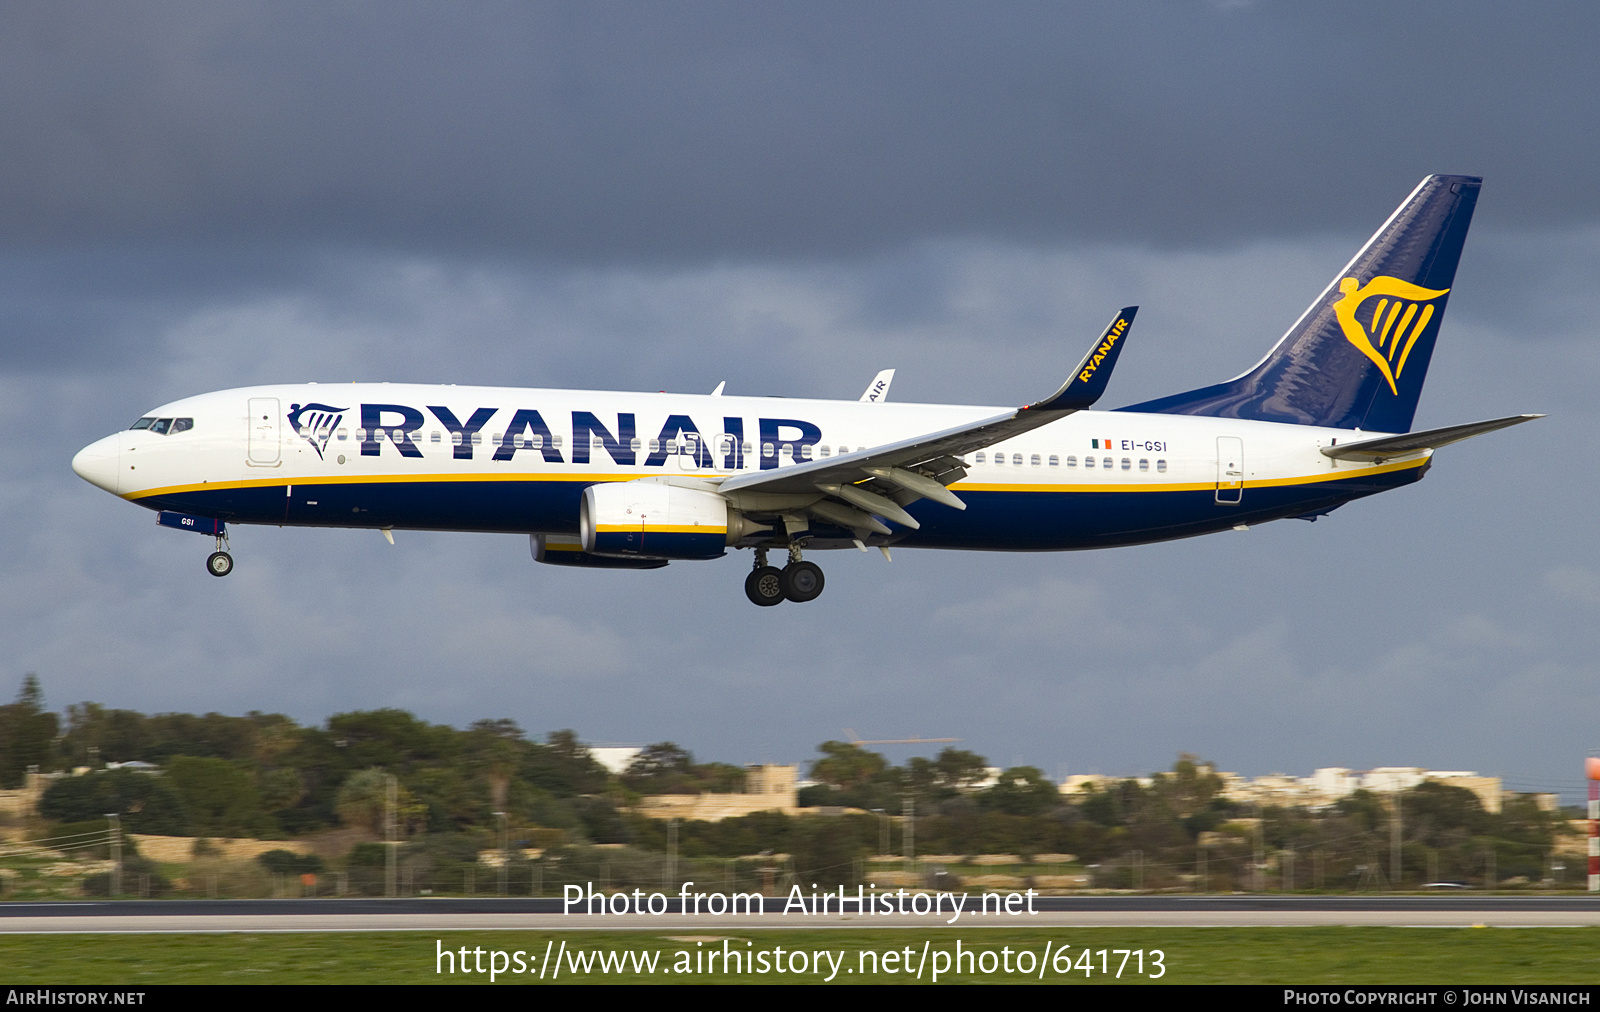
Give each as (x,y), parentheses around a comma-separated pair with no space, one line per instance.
(656,520)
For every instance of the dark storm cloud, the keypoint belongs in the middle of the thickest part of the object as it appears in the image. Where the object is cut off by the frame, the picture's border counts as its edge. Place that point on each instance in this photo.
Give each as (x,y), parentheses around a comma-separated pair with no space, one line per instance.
(196,197)
(629,131)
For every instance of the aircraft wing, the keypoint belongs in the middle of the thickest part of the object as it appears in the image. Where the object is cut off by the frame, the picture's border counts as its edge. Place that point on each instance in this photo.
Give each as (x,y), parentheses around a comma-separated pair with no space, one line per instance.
(1382,447)
(882,479)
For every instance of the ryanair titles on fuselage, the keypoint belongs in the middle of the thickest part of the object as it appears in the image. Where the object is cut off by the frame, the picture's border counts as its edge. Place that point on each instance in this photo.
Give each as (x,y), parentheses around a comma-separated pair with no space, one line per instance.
(526,430)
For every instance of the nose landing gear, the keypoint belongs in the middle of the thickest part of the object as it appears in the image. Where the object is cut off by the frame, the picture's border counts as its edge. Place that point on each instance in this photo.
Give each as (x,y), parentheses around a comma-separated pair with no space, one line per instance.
(768,585)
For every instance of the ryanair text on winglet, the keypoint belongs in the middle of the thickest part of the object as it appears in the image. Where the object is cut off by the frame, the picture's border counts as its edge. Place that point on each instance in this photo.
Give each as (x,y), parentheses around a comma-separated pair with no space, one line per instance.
(1112,336)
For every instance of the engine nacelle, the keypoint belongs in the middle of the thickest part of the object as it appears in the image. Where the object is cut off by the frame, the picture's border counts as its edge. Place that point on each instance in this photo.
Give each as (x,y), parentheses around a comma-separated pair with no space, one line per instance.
(633,519)
(566,550)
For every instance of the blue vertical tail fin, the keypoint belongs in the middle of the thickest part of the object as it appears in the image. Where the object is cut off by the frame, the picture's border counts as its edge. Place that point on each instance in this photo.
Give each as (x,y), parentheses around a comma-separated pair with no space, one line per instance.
(1357,357)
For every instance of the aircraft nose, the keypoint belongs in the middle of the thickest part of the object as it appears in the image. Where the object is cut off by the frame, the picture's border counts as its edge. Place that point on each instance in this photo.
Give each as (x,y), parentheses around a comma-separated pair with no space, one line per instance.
(99,463)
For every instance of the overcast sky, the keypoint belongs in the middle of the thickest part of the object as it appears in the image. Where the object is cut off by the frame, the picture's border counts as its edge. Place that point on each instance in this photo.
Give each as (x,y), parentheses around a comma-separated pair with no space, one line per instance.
(790,197)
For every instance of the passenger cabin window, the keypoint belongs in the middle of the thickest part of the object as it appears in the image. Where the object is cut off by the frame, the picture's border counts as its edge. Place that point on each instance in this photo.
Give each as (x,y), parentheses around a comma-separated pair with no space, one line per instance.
(633,444)
(1088,462)
(1035,460)
(1105,461)
(1127,464)
(1072,461)
(1144,464)
(1055,461)
(823,449)
(1016,459)
(455,438)
(978,457)
(1161,466)
(434,437)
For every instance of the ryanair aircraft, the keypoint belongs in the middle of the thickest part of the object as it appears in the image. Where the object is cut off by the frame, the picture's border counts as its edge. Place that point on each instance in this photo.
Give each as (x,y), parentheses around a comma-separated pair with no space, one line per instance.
(637,480)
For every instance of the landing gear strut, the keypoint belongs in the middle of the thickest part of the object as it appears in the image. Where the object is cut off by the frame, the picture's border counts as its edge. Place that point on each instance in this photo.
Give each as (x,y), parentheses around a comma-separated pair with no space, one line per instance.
(219,562)
(768,585)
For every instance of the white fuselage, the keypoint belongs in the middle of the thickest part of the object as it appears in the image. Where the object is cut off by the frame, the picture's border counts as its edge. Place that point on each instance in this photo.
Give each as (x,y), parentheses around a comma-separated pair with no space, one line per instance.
(507,459)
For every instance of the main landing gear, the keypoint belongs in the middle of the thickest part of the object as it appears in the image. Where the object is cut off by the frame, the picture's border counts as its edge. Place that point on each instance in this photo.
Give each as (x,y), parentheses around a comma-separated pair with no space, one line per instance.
(219,562)
(798,581)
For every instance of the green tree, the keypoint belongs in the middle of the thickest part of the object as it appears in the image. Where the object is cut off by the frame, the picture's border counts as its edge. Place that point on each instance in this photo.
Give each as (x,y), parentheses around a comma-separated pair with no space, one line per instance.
(363,800)
(1021,790)
(146,803)
(281,788)
(960,769)
(845,766)
(564,767)
(27,734)
(662,768)
(494,747)
(220,797)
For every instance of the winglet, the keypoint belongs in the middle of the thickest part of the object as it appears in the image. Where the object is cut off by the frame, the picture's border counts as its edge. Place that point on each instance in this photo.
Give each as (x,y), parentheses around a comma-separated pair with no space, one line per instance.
(878,389)
(1089,380)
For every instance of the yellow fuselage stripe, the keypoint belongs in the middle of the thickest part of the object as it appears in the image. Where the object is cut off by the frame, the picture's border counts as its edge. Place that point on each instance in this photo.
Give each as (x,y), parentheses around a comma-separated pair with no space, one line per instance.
(658,529)
(1338,474)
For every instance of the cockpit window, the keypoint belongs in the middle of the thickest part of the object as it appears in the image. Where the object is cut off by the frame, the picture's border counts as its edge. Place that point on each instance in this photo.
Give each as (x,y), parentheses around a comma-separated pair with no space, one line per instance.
(165,426)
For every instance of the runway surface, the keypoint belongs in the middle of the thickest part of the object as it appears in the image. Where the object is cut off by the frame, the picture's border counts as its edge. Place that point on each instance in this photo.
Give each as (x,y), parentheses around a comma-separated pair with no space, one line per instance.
(439,915)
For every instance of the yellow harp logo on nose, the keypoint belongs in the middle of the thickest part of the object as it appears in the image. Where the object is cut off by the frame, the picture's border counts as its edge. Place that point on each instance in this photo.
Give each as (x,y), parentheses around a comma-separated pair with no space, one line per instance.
(1384,318)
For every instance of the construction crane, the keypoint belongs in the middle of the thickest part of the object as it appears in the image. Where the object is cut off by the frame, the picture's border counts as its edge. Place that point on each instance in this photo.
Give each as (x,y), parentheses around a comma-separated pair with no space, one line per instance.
(854,739)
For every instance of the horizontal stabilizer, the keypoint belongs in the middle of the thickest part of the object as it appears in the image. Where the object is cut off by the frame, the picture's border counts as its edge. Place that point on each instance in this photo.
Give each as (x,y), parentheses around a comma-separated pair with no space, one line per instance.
(1383,447)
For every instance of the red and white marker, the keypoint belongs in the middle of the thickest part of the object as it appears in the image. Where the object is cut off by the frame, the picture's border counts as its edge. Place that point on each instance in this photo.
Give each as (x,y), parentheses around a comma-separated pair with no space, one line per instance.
(1592,768)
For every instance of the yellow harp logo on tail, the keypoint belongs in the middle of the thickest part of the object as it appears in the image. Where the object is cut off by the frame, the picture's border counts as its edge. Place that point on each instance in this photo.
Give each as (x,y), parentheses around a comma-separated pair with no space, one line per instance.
(1384,318)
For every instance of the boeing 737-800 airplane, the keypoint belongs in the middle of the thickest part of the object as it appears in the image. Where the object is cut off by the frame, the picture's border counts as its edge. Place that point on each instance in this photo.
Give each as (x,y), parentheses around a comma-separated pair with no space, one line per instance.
(636,480)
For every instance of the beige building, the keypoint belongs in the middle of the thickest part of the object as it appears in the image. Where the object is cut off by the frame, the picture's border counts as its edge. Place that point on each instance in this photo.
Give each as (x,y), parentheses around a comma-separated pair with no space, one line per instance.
(23,803)
(1327,785)
(767,788)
